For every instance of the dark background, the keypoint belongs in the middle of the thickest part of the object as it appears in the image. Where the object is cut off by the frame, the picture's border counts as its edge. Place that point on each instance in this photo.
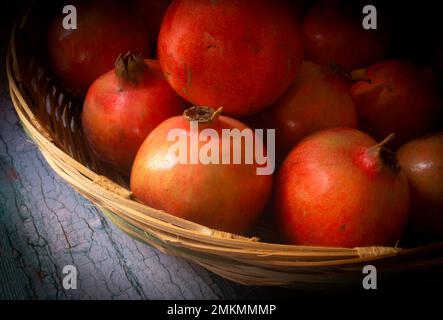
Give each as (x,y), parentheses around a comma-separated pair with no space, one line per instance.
(45,224)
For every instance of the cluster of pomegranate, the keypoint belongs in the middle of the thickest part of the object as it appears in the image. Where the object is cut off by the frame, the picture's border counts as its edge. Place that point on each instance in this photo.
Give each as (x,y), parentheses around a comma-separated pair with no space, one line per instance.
(359,155)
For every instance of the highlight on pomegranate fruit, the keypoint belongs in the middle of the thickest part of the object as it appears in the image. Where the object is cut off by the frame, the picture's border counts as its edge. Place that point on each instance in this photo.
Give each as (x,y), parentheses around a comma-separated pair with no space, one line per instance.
(123,106)
(422,161)
(333,33)
(240,54)
(104,30)
(339,187)
(318,99)
(224,196)
(395,96)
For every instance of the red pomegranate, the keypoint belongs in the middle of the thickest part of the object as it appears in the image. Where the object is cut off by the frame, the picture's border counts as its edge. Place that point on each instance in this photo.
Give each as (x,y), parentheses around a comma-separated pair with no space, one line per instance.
(123,106)
(228,197)
(338,187)
(422,161)
(104,30)
(396,96)
(240,54)
(318,99)
(333,33)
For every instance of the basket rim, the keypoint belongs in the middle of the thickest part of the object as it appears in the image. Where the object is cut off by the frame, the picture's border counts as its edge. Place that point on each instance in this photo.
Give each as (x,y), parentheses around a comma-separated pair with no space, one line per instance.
(173,230)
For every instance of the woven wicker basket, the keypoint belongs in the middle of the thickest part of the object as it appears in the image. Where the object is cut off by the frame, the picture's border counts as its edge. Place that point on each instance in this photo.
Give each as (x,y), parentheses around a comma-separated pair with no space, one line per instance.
(52,119)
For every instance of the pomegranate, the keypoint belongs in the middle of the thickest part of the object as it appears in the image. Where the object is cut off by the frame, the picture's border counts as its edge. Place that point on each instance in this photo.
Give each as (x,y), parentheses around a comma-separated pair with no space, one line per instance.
(104,30)
(333,33)
(318,99)
(422,162)
(395,96)
(338,187)
(228,197)
(123,106)
(239,54)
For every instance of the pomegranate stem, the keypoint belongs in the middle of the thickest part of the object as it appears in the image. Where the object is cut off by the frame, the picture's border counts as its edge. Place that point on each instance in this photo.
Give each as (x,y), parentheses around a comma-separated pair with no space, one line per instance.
(385,141)
(360,75)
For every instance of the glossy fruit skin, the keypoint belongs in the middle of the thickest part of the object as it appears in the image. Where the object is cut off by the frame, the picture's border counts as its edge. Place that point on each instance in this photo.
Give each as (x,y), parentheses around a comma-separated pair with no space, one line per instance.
(104,30)
(228,197)
(118,115)
(318,99)
(422,161)
(398,99)
(329,194)
(332,34)
(240,54)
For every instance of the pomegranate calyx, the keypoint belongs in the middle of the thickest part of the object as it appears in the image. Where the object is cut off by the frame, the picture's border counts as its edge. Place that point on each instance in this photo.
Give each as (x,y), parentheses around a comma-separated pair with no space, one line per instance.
(390,159)
(130,67)
(202,114)
(373,155)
